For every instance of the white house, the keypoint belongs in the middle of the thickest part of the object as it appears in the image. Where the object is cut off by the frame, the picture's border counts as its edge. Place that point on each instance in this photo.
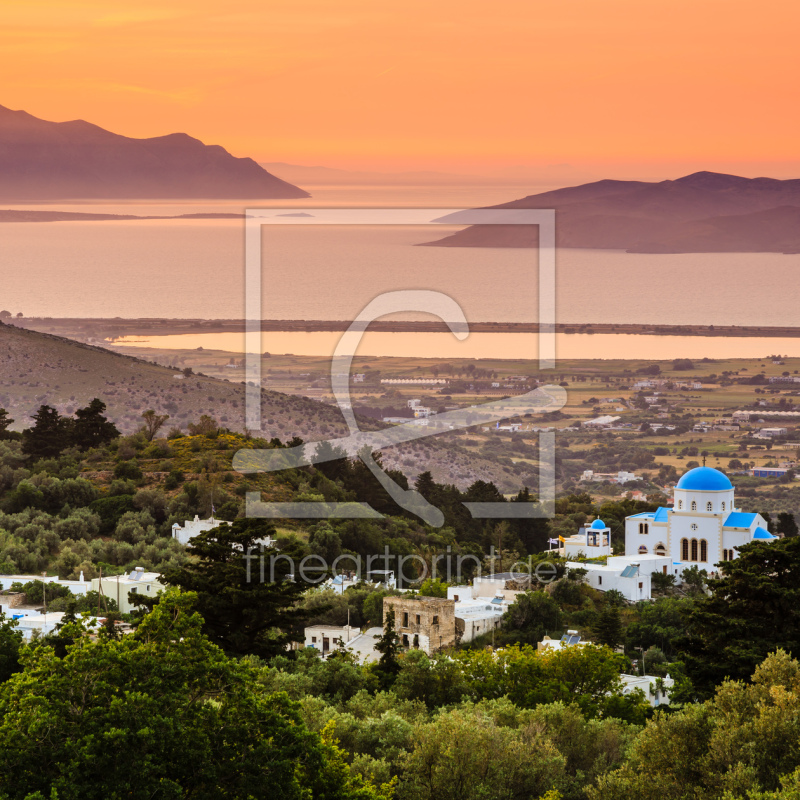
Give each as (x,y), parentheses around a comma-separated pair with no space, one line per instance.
(476,617)
(117,587)
(81,586)
(192,528)
(326,638)
(655,689)
(628,575)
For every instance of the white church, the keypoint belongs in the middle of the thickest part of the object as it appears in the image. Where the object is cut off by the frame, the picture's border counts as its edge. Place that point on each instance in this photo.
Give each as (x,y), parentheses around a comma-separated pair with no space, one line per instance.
(703,528)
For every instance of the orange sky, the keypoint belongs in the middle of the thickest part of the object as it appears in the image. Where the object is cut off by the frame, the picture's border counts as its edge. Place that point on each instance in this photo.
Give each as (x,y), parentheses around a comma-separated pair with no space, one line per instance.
(615,84)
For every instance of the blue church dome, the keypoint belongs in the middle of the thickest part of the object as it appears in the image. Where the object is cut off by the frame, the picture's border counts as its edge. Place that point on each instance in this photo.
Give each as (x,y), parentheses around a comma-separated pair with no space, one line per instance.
(760,533)
(704,479)
(599,525)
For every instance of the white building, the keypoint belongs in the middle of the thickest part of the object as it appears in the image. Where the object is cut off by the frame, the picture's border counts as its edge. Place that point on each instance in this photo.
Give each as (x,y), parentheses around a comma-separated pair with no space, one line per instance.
(771,433)
(192,528)
(593,541)
(342,582)
(117,587)
(569,639)
(702,528)
(628,575)
(78,587)
(655,689)
(476,617)
(612,477)
(326,638)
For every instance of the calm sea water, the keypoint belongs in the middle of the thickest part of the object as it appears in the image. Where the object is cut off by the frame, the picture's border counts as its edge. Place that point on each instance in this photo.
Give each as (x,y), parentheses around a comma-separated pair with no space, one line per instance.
(484,345)
(195,269)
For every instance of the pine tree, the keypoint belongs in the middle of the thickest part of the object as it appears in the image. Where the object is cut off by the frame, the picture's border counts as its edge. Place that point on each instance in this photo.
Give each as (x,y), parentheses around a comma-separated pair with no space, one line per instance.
(608,629)
(388,646)
(49,435)
(243,614)
(5,422)
(91,428)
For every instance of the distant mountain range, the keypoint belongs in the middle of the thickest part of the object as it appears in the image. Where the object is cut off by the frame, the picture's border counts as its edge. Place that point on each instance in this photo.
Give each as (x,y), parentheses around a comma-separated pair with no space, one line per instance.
(47,161)
(705,212)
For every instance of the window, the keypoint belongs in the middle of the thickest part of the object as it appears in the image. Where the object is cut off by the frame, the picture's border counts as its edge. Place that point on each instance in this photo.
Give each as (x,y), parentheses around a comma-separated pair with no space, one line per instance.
(642,549)
(725,555)
(646,527)
(435,620)
(709,507)
(694,505)
(723,505)
(680,504)
(694,526)
(455,597)
(661,549)
(703,550)
(313,639)
(405,619)
(147,588)
(417,619)
(599,580)
(684,549)
(694,549)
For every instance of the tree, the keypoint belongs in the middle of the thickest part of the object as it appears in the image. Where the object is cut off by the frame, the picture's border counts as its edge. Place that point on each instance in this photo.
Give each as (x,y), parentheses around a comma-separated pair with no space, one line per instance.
(49,435)
(160,713)
(753,609)
(662,582)
(245,611)
(608,627)
(388,646)
(531,616)
(5,423)
(786,524)
(92,428)
(740,743)
(205,426)
(10,644)
(153,423)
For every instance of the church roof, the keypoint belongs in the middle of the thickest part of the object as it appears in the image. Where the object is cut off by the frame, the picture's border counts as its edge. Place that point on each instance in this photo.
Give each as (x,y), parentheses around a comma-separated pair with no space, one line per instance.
(739,519)
(661,514)
(761,533)
(704,479)
(599,525)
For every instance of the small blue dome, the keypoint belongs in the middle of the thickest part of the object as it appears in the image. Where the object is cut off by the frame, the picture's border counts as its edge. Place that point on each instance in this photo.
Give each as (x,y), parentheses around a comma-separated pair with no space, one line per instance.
(599,525)
(704,479)
(760,533)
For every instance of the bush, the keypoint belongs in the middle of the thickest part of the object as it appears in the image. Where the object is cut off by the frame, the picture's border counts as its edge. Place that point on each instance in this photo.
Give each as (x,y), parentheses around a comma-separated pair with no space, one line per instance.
(128,469)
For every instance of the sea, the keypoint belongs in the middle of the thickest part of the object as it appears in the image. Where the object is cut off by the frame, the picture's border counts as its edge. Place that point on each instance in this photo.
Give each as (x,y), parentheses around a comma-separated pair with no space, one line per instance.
(195,269)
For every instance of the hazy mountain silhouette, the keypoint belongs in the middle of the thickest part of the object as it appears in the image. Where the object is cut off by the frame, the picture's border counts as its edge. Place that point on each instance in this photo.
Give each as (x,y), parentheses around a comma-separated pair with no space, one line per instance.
(703,212)
(44,161)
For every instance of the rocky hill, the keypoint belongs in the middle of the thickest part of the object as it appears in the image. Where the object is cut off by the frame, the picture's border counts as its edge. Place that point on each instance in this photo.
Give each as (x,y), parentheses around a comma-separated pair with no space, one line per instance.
(47,161)
(38,368)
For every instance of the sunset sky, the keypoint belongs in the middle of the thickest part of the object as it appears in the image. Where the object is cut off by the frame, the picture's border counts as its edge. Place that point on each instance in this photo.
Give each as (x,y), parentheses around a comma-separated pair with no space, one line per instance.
(636,85)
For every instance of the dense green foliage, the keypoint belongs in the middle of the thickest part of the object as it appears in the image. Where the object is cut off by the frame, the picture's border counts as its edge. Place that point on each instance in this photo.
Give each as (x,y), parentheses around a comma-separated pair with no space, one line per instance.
(206,698)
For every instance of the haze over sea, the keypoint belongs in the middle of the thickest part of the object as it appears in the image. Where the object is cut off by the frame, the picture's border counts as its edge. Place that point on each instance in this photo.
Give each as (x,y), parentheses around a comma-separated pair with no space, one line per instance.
(194,268)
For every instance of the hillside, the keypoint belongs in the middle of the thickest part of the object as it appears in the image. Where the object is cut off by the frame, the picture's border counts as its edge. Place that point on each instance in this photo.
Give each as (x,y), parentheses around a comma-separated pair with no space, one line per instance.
(38,368)
(46,161)
(703,212)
